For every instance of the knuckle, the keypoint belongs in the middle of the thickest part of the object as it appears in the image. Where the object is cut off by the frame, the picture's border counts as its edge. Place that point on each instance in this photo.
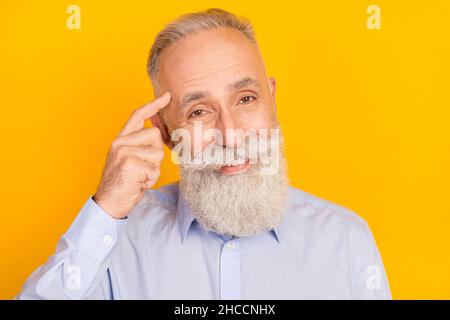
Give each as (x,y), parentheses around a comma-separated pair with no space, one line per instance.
(159,154)
(155,132)
(121,151)
(116,143)
(135,113)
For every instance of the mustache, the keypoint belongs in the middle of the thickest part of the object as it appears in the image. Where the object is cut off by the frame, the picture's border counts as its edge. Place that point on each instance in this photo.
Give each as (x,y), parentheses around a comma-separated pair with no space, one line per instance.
(214,156)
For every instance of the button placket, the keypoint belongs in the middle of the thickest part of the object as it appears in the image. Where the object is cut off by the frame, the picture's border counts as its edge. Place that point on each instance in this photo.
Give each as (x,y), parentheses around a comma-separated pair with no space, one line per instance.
(230,270)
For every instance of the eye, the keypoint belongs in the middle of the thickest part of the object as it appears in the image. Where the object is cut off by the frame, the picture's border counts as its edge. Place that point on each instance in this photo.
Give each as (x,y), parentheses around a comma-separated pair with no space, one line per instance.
(247,99)
(197,113)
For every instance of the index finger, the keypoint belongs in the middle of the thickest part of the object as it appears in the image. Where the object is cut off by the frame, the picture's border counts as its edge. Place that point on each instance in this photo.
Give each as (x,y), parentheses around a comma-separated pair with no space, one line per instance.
(137,119)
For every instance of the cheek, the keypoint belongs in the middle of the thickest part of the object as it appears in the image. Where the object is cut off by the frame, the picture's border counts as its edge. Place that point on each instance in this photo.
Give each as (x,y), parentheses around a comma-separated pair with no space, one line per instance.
(258,118)
(199,139)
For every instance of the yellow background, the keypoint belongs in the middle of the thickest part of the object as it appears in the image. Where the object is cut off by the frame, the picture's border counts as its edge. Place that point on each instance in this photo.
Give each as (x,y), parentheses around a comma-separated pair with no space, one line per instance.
(365,115)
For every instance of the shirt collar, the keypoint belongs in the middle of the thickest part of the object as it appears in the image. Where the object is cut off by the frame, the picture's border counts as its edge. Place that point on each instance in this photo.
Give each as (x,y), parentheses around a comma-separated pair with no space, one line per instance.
(185,219)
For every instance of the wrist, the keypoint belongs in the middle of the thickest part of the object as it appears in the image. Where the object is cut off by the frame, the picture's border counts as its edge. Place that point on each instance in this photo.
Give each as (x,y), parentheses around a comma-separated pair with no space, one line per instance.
(109,208)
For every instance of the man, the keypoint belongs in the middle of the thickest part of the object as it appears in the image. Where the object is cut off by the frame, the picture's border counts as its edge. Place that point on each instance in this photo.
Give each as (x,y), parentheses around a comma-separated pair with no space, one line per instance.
(232,228)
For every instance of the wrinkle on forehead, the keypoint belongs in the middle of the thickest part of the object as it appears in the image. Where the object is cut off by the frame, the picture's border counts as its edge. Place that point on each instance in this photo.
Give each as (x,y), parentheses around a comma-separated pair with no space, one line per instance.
(203,58)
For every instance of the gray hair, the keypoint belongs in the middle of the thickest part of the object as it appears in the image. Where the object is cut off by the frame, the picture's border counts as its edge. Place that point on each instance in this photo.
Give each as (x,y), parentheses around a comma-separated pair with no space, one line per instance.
(189,24)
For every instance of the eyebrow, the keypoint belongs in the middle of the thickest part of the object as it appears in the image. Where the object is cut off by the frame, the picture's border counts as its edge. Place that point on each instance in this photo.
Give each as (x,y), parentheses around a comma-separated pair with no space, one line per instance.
(239,84)
(193,96)
(244,82)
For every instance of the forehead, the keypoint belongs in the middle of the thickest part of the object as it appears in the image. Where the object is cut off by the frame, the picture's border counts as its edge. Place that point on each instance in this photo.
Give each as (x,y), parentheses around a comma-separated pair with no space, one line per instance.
(208,60)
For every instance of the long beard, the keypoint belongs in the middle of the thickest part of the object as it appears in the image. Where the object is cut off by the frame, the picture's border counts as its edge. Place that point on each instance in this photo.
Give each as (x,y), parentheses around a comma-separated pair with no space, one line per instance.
(240,205)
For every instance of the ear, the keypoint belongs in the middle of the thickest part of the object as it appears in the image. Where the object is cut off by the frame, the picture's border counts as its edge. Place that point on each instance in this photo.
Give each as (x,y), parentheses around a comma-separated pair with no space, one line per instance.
(158,122)
(272,88)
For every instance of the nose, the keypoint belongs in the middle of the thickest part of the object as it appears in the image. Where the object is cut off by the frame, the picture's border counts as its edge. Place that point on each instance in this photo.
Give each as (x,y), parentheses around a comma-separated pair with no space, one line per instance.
(226,124)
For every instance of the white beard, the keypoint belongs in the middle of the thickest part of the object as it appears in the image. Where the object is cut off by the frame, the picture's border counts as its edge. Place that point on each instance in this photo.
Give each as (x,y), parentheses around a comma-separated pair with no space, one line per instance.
(244,204)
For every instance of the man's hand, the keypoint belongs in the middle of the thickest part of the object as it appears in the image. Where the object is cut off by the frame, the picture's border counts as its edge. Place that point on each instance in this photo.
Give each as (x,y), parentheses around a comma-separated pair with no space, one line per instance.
(133,163)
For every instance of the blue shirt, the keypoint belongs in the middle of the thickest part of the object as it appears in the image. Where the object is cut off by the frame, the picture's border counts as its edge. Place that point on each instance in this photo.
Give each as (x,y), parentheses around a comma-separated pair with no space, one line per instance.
(319,251)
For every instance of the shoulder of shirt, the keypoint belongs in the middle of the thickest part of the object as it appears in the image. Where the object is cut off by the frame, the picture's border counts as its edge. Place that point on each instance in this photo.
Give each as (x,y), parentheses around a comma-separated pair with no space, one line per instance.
(164,197)
(304,205)
(160,203)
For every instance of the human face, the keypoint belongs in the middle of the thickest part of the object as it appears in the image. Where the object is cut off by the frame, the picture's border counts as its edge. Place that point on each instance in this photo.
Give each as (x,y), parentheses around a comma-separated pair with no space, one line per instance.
(217,78)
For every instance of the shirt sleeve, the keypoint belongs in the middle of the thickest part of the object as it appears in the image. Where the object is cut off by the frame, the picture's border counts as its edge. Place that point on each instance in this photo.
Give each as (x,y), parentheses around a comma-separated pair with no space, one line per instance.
(79,265)
(367,273)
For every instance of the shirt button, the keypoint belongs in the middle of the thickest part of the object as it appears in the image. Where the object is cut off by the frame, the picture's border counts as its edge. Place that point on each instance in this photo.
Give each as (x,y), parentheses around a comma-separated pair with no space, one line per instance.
(107,239)
(230,245)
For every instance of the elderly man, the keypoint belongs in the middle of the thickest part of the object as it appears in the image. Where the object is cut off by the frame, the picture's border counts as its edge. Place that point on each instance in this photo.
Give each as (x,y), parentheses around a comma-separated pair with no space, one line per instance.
(232,228)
